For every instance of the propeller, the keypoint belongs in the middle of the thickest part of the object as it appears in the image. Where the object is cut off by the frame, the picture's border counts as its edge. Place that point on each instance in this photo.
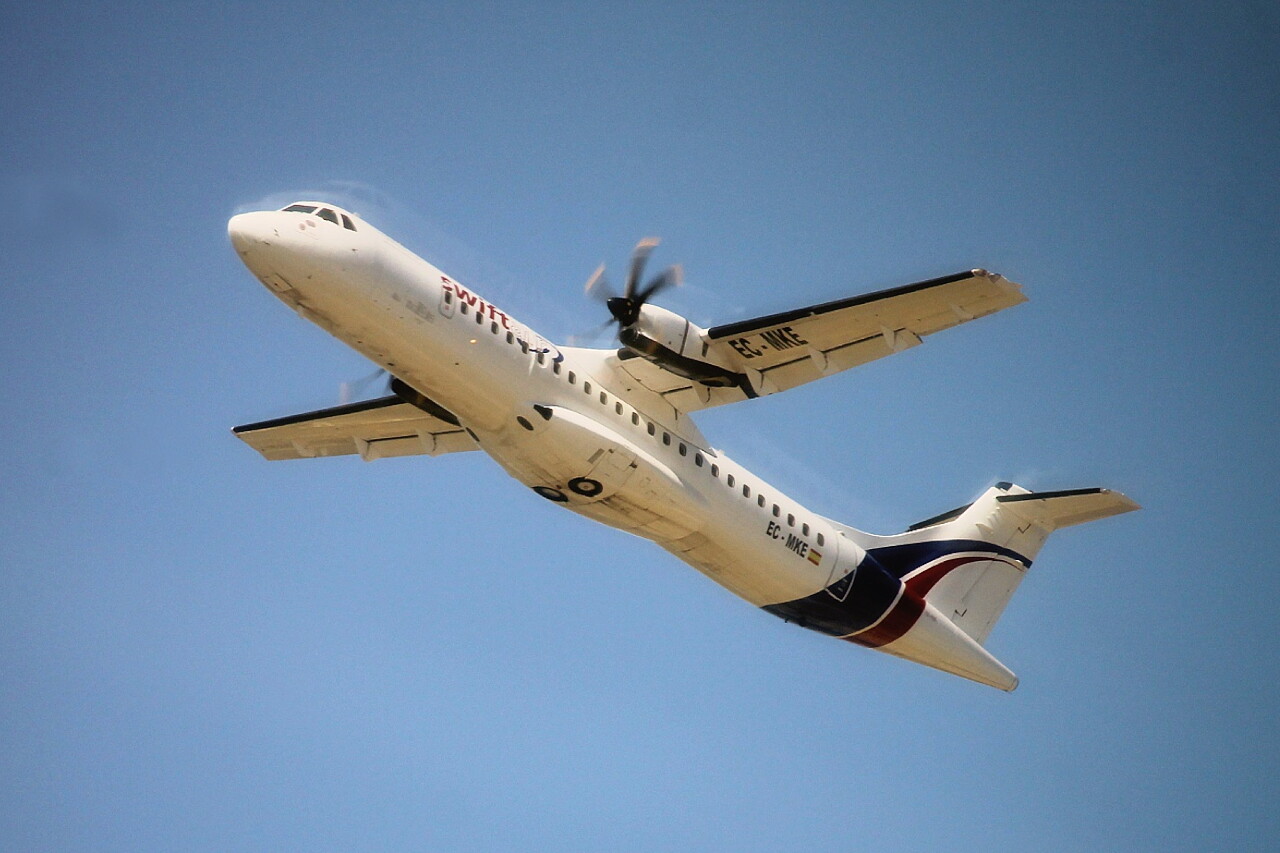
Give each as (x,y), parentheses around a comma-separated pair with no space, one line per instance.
(626,308)
(348,391)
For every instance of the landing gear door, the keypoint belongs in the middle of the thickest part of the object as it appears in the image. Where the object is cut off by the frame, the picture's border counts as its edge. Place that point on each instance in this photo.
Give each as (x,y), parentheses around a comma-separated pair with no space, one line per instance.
(608,469)
(613,467)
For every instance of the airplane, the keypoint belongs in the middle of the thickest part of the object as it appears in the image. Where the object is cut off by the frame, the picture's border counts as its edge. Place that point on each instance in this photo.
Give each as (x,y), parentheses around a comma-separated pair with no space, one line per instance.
(607,432)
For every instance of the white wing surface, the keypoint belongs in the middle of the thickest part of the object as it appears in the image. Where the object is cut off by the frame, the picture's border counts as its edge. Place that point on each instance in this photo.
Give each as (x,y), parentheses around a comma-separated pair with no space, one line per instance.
(374,429)
(780,351)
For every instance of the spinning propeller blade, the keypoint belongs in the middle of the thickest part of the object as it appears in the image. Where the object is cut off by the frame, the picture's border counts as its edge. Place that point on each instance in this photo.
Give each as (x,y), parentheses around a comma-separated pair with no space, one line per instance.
(626,308)
(348,391)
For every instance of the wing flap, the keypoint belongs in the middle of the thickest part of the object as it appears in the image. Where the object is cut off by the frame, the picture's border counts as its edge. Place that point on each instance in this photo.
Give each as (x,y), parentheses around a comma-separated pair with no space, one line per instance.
(374,429)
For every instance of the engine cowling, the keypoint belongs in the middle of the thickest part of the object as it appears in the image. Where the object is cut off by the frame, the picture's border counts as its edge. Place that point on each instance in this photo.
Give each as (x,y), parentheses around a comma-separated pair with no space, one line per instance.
(676,344)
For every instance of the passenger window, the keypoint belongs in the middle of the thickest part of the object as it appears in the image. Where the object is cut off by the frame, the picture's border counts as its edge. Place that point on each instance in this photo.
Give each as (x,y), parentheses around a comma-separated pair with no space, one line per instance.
(524,346)
(511,338)
(728,481)
(572,377)
(617,407)
(479,319)
(555,368)
(760,501)
(777,511)
(604,399)
(746,490)
(347,223)
(586,387)
(684,451)
(715,470)
(791,520)
(666,438)
(652,429)
(697,459)
(463,307)
(542,356)
(804,529)
(820,542)
(493,327)
(448,297)
(329,216)
(635,419)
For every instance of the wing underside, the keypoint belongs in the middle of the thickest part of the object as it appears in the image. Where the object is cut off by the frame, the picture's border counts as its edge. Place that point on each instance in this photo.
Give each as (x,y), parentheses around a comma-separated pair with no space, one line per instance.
(373,429)
(777,352)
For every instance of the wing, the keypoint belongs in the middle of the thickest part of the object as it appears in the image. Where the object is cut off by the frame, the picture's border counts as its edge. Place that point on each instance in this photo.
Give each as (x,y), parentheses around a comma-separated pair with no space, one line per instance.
(374,429)
(780,351)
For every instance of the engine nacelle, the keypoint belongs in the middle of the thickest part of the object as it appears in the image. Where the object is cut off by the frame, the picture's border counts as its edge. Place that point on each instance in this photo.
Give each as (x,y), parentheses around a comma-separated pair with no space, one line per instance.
(669,340)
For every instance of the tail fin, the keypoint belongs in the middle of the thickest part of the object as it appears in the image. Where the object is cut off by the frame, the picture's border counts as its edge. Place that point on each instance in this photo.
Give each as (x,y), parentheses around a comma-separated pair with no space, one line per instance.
(959,570)
(968,563)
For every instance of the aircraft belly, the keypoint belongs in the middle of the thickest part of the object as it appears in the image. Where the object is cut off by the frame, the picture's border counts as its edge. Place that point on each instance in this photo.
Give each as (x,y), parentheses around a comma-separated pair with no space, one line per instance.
(758,581)
(735,547)
(572,459)
(597,472)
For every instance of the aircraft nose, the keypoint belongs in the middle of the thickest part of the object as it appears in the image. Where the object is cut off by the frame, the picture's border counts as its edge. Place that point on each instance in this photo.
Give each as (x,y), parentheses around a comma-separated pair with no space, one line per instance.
(246,230)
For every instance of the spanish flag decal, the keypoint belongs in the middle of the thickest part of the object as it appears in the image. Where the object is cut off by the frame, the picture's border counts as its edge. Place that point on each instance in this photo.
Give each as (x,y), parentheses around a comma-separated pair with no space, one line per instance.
(815,556)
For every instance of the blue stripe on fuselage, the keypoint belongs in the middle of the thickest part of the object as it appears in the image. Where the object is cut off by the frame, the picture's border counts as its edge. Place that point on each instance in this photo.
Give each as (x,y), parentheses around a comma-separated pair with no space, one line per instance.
(873,592)
(875,586)
(901,560)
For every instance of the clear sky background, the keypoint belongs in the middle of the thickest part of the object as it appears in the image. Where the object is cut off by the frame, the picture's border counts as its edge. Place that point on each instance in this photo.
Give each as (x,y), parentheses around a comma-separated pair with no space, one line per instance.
(200,650)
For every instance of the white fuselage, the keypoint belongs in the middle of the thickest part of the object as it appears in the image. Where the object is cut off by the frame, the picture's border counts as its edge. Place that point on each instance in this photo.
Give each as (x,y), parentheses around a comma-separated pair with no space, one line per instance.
(557,419)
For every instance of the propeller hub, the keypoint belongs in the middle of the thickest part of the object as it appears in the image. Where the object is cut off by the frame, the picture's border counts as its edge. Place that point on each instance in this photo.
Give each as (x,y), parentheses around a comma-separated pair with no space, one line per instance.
(624,309)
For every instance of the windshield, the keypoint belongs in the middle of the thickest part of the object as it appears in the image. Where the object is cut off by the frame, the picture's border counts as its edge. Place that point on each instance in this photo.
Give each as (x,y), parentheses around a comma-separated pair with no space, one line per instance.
(325,213)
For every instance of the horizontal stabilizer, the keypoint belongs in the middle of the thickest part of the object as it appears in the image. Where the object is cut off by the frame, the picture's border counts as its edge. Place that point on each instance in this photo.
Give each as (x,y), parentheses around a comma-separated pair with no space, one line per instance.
(1055,510)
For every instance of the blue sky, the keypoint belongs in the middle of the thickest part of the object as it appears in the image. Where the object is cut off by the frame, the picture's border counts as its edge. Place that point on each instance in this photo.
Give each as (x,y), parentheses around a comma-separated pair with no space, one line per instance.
(204,651)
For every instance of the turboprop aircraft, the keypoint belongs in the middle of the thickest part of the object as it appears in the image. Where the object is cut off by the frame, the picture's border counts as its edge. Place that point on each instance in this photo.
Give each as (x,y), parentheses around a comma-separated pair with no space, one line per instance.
(608,433)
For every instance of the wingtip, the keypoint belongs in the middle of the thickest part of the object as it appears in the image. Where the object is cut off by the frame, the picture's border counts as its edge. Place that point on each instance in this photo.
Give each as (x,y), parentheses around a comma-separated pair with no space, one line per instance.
(1010,288)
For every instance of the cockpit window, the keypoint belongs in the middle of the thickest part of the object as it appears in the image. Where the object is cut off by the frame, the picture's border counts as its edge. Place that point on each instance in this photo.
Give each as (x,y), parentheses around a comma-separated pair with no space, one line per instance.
(324,213)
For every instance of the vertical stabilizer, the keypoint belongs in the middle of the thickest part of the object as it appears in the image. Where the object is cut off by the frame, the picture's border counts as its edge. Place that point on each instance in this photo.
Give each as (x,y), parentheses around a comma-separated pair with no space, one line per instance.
(969,562)
(932,594)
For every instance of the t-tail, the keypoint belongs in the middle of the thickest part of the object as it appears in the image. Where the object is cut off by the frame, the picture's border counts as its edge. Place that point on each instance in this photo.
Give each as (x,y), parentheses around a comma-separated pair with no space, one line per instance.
(932,594)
